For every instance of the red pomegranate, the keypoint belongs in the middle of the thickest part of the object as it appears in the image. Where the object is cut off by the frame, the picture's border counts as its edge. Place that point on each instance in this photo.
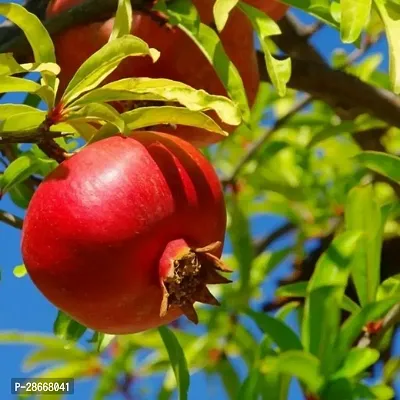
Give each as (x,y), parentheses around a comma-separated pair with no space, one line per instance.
(180,59)
(125,235)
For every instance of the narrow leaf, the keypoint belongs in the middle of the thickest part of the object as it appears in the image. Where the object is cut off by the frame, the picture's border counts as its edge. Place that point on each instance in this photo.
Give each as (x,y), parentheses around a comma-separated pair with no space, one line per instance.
(278,70)
(390,17)
(35,32)
(178,361)
(147,89)
(18,171)
(66,328)
(363,214)
(221,11)
(102,63)
(277,330)
(209,43)
(382,163)
(299,364)
(356,362)
(122,20)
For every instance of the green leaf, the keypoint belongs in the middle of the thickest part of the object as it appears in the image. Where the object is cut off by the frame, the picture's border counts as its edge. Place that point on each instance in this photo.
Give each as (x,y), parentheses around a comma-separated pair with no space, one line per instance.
(326,288)
(101,340)
(240,236)
(382,163)
(102,63)
(363,214)
(274,384)
(97,112)
(8,110)
(152,116)
(123,20)
(353,326)
(299,364)
(389,287)
(377,392)
(221,11)
(333,267)
(21,195)
(321,320)
(20,271)
(209,43)
(229,377)
(16,126)
(66,328)
(35,32)
(277,330)
(9,66)
(390,17)
(36,339)
(18,171)
(354,17)
(278,70)
(44,356)
(178,361)
(356,362)
(12,84)
(109,378)
(299,289)
(147,89)
(391,370)
(317,8)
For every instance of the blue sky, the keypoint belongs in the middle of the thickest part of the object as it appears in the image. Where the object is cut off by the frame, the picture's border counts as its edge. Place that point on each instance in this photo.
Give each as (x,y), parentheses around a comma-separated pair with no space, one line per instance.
(23,308)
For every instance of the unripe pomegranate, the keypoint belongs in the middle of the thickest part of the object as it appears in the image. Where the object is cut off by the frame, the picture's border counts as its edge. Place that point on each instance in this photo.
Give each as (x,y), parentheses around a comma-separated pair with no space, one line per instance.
(180,59)
(125,235)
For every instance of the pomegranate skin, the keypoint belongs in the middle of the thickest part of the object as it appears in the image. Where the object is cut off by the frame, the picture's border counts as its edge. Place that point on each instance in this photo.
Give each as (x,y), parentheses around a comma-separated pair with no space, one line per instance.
(96,230)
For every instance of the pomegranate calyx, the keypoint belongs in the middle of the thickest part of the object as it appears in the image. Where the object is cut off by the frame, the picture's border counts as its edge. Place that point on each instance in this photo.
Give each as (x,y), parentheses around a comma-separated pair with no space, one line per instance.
(192,271)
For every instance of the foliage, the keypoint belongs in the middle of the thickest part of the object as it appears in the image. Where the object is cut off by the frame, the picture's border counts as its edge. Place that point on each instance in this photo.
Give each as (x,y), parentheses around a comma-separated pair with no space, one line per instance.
(310,166)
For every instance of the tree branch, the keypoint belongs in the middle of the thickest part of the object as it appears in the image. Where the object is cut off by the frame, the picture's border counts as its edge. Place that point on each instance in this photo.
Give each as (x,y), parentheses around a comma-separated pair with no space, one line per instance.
(261,244)
(340,90)
(29,136)
(11,219)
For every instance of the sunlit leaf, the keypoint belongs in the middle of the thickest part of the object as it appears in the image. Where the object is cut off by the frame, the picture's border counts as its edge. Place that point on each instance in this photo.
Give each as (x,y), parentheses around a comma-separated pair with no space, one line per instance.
(354,17)
(18,171)
(278,70)
(221,11)
(102,63)
(299,364)
(123,20)
(146,89)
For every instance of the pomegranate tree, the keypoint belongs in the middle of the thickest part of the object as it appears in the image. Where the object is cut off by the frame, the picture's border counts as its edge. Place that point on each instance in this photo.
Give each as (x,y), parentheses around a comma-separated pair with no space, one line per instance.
(126,234)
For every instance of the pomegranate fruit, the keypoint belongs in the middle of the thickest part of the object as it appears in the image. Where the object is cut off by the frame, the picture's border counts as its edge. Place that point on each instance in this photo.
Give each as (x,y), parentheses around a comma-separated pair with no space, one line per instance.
(126,234)
(180,58)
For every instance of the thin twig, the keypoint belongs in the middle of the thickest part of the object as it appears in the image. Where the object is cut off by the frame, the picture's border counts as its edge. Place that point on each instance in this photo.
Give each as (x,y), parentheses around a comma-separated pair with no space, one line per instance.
(391,319)
(11,219)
